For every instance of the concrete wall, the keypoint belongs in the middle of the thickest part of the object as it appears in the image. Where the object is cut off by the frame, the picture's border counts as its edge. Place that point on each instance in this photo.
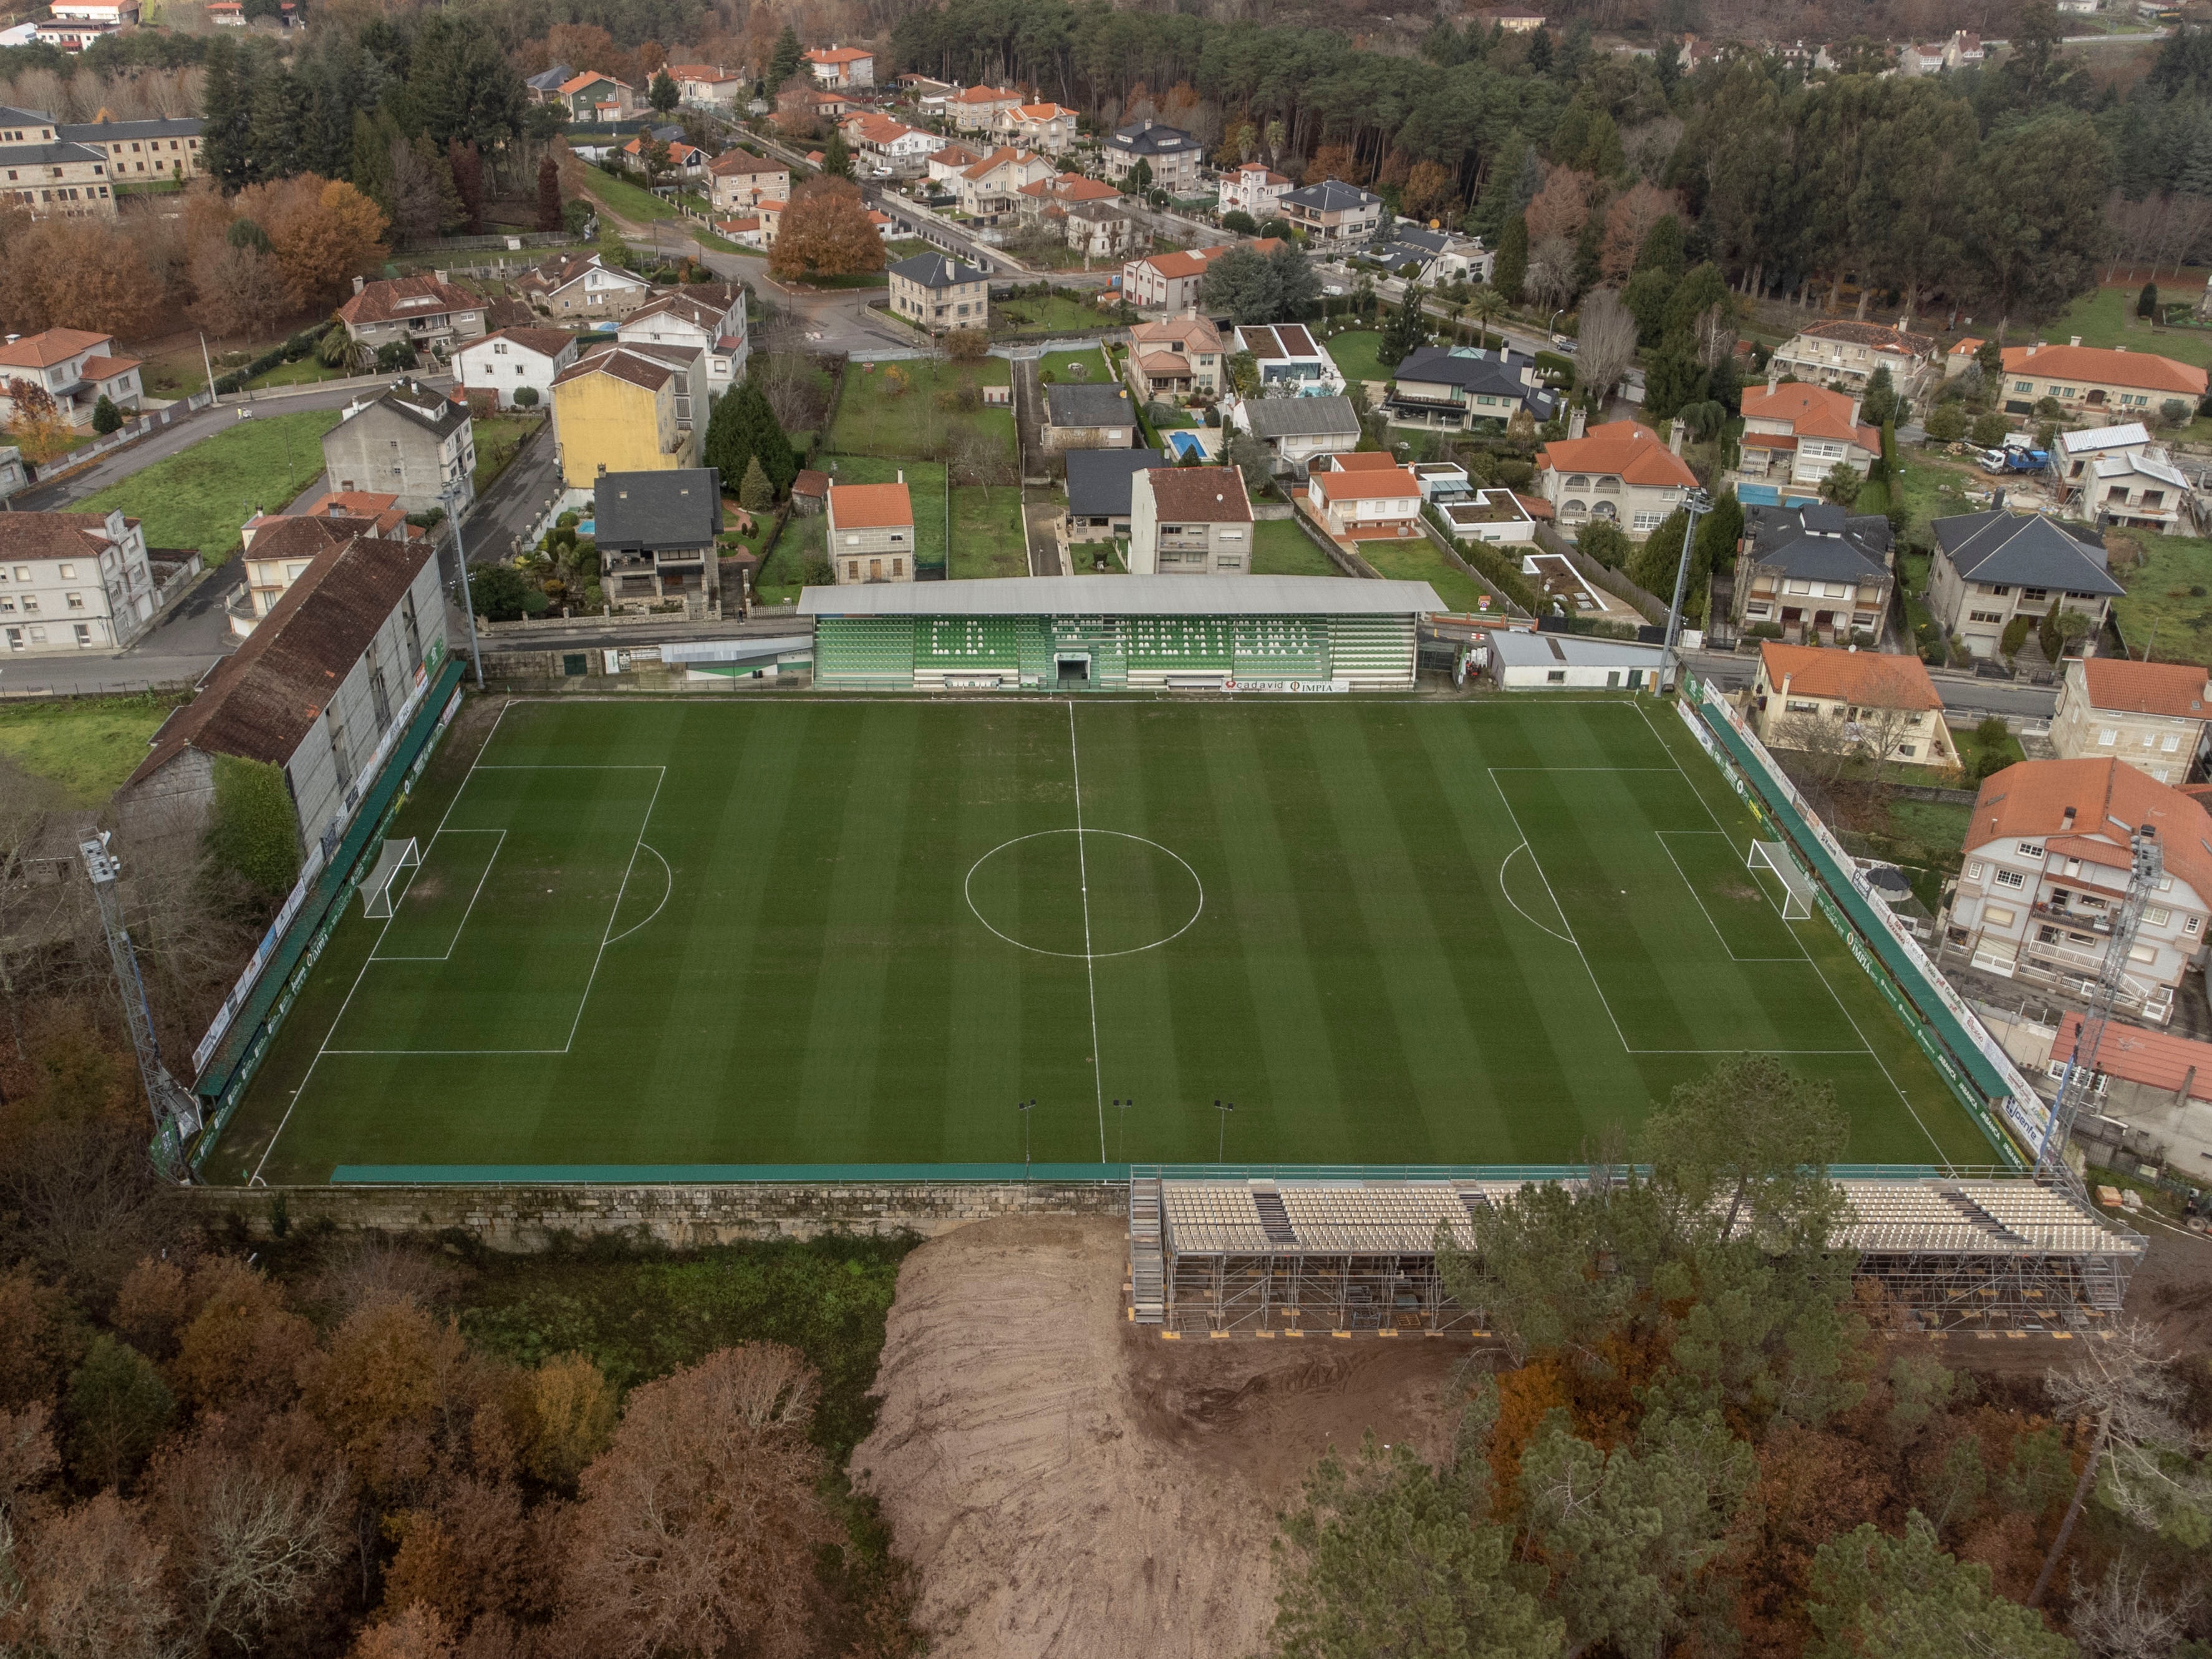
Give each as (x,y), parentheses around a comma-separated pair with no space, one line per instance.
(524,1218)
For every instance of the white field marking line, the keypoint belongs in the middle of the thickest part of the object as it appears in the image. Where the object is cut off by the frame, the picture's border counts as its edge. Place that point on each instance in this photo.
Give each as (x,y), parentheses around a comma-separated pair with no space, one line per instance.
(1694,894)
(1524,847)
(665,894)
(1090,963)
(290,1106)
(448,954)
(644,825)
(968,890)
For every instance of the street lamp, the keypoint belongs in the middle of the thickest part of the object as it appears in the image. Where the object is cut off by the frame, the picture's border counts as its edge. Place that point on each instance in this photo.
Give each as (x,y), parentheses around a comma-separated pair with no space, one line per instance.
(1121,1142)
(468,598)
(1221,1144)
(1696,504)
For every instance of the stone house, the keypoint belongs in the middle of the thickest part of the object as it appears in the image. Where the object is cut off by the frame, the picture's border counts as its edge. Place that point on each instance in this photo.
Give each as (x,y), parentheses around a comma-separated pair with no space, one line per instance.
(936,292)
(737,179)
(871,532)
(136,150)
(2151,714)
(585,288)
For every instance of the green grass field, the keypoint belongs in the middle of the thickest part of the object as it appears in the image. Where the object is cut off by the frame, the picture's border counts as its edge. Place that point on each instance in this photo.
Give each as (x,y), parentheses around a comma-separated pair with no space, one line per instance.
(199,498)
(873,418)
(87,745)
(1280,548)
(987,539)
(925,488)
(828,932)
(1353,353)
(2168,610)
(1420,560)
(2108,318)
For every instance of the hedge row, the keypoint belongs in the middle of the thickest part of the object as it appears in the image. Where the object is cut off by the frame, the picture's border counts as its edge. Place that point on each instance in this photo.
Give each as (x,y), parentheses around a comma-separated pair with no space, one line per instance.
(290,352)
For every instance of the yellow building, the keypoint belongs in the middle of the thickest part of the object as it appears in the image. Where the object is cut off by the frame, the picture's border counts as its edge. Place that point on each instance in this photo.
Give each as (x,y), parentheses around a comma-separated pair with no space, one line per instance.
(628,409)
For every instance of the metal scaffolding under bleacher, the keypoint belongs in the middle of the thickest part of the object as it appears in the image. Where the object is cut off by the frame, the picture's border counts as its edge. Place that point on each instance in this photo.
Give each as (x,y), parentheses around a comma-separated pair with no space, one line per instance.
(1213,1252)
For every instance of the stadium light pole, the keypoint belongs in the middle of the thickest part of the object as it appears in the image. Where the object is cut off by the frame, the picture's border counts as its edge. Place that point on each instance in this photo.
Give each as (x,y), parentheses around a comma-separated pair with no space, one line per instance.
(1221,1143)
(1696,504)
(1025,1106)
(468,598)
(1121,1144)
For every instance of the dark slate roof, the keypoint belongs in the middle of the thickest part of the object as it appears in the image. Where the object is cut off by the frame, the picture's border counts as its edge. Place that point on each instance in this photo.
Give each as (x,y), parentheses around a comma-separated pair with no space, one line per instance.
(935,270)
(1332,195)
(1140,139)
(638,512)
(107,132)
(1089,406)
(433,412)
(2026,550)
(1301,417)
(552,80)
(1098,480)
(1495,373)
(39,155)
(1820,542)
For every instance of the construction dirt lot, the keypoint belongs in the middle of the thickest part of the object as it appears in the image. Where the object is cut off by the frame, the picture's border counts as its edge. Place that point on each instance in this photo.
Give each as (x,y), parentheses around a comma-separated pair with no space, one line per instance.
(1068,1485)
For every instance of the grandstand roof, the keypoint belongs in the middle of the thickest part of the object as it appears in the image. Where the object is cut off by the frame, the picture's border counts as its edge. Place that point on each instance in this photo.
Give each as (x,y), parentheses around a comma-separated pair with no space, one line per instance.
(1125,596)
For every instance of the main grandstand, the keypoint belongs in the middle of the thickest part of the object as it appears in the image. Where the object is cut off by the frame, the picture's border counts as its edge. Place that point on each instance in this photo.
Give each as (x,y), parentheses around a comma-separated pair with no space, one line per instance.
(1118,633)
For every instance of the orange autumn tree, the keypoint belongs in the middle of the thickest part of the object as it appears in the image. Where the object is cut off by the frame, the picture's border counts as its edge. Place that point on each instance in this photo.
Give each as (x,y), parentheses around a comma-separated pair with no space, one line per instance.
(826,233)
(323,232)
(36,426)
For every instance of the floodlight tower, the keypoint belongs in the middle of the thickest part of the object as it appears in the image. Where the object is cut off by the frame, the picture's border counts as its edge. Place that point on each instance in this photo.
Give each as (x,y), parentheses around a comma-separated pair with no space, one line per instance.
(1695,505)
(176,1114)
(2146,869)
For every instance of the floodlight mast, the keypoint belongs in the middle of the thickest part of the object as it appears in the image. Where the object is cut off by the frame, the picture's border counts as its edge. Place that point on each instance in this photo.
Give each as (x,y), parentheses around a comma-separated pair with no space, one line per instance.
(2146,869)
(1696,504)
(176,1114)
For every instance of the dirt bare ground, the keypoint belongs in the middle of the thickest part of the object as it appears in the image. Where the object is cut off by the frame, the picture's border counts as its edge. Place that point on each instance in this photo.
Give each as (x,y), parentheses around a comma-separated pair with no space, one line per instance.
(1068,1486)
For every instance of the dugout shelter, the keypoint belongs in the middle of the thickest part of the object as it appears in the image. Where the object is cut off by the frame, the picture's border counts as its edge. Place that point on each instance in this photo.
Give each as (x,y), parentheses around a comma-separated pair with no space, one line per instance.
(1119,633)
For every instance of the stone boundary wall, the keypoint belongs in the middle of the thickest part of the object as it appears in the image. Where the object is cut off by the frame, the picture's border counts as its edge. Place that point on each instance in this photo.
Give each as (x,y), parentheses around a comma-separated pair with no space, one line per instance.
(522,1218)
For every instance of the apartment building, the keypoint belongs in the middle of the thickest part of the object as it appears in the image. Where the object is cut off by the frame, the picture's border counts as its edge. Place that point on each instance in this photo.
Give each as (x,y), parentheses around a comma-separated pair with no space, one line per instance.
(1189,521)
(73,581)
(628,409)
(409,442)
(48,175)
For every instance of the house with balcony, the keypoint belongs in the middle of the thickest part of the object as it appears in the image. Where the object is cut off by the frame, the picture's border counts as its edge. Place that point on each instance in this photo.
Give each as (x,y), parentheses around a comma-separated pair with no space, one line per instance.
(843,67)
(655,533)
(1179,356)
(76,368)
(1457,388)
(1800,433)
(1255,188)
(429,312)
(990,191)
(592,96)
(73,582)
(1333,212)
(629,408)
(1171,153)
(1189,521)
(935,292)
(1869,699)
(584,287)
(977,109)
(1991,566)
(1621,473)
(2114,382)
(2048,865)
(1291,362)
(707,86)
(738,180)
(891,146)
(2154,716)
(2116,475)
(1846,353)
(409,442)
(1361,497)
(1814,571)
(1047,128)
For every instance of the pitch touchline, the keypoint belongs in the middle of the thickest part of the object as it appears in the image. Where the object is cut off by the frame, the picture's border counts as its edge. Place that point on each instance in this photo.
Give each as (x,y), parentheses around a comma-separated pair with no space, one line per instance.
(1090,967)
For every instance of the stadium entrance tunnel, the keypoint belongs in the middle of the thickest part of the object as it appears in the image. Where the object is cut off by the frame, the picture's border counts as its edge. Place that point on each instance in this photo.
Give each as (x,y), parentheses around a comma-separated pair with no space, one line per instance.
(1085,893)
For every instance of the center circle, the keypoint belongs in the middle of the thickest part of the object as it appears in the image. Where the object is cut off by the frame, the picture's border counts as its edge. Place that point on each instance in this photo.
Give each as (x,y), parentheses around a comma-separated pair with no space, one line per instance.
(1085,894)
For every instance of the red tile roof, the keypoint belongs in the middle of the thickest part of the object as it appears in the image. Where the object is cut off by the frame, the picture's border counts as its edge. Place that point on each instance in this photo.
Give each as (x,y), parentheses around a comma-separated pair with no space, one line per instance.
(1368,483)
(405,297)
(1869,678)
(2098,365)
(1812,411)
(741,164)
(2175,689)
(2133,1054)
(52,535)
(838,55)
(1199,494)
(1635,453)
(56,345)
(871,506)
(2110,799)
(545,342)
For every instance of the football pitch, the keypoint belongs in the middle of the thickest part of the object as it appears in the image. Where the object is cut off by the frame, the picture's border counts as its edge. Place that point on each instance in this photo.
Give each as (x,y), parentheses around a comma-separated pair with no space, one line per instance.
(677,938)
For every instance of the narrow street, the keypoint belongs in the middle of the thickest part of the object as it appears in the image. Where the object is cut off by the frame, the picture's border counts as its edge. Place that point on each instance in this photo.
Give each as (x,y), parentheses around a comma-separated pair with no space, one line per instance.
(1041,508)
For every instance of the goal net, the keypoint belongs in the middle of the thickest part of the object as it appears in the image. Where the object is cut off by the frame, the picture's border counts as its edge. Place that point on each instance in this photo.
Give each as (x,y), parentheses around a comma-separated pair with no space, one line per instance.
(377,898)
(1796,886)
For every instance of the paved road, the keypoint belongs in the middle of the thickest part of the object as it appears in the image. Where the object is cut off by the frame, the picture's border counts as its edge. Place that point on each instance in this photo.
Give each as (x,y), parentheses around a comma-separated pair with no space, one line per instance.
(179,648)
(496,525)
(1962,694)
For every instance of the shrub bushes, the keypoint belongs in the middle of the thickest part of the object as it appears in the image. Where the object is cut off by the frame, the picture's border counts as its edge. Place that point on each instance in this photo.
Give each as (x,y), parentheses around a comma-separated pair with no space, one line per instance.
(290,352)
(254,829)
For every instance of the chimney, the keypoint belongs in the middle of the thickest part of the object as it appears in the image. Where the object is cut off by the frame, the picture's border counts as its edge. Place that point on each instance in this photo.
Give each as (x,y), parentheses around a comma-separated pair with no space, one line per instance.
(2032,346)
(1857,403)
(2076,340)
(902,475)
(2119,347)
(357,284)
(439,275)
(1674,430)
(2066,819)
(1576,421)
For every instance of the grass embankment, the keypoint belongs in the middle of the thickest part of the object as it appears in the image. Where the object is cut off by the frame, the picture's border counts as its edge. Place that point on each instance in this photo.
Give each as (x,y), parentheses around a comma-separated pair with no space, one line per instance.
(200,497)
(86,746)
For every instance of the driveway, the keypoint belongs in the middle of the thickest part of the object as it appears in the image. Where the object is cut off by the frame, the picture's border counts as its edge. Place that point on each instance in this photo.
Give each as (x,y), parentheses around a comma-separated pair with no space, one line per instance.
(504,514)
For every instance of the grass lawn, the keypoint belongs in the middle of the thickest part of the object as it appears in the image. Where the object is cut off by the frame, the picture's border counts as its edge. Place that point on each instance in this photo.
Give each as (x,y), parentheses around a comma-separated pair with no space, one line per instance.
(924,486)
(1933,489)
(2108,318)
(1353,352)
(497,438)
(1280,548)
(875,419)
(1055,311)
(199,498)
(1277,900)
(2168,607)
(905,248)
(2007,751)
(1418,559)
(988,538)
(625,200)
(87,745)
(1058,364)
(778,579)
(306,372)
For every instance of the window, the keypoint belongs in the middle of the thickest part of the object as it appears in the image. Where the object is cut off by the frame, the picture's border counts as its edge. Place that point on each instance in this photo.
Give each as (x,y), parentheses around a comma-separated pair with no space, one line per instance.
(2144,953)
(2172,742)
(1996,915)
(2011,879)
(2190,924)
(2027,849)
(1907,749)
(69,573)
(77,601)
(1985,616)
(1555,676)
(2157,915)
(84,633)
(1974,871)
(2106,737)
(898,567)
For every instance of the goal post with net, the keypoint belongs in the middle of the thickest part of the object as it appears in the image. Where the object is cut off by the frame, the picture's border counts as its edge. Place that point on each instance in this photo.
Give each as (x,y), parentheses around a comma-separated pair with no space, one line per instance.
(376,894)
(1796,886)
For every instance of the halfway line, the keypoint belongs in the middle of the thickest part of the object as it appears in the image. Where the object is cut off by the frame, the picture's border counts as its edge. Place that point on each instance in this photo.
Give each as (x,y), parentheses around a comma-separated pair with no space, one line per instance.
(1090,964)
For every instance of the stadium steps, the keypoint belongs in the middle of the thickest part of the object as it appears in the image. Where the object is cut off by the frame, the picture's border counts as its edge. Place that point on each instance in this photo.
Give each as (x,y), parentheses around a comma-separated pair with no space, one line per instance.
(1147,1263)
(2103,1279)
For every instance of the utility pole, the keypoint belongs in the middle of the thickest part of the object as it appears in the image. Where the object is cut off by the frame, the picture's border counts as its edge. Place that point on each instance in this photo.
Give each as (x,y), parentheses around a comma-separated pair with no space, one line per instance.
(176,1113)
(208,364)
(2146,868)
(1221,1143)
(468,598)
(1696,504)
(1025,1106)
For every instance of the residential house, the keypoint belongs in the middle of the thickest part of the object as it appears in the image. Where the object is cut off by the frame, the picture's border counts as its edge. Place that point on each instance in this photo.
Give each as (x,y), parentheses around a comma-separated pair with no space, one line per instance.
(686,162)
(1189,521)
(319,689)
(2048,864)
(1082,416)
(1801,433)
(936,292)
(1170,281)
(71,37)
(2115,475)
(1514,20)
(1848,353)
(1179,355)
(1961,51)
(2152,716)
(2120,384)
(1807,697)
(948,163)
(428,313)
(1292,362)
(1099,486)
(706,319)
(113,13)
(843,67)
(1495,516)
(47,174)
(990,191)
(1435,256)
(1297,430)
(1361,497)
(628,409)
(544,86)
(1620,471)
(1516,661)
(409,442)
(73,581)
(745,231)
(226,14)
(1103,230)
(707,86)
(1814,570)
(1171,153)
(737,178)
(1048,129)
(1041,197)
(12,475)
(1962,357)
(584,287)
(1255,188)
(1332,211)
(512,360)
(655,533)
(1458,387)
(1991,567)
(282,547)
(770,214)
(871,532)
(592,97)
(136,150)
(2151,1091)
(977,109)
(76,367)
(892,146)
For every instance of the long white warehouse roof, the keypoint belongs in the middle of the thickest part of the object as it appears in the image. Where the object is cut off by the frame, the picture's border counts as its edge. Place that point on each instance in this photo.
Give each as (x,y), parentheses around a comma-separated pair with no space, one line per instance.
(1126,596)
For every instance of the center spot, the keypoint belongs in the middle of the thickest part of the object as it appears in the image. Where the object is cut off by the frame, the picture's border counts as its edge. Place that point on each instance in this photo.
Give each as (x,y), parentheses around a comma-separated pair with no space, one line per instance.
(1031,891)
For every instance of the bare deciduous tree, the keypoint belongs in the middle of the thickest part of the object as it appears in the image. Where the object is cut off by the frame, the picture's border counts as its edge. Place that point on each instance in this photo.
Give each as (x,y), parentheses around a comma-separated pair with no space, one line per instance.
(2123,1616)
(251,1542)
(1551,274)
(1606,342)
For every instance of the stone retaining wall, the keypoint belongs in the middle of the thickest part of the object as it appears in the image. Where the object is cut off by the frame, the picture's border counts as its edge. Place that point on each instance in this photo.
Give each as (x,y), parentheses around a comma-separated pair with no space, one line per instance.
(524,1218)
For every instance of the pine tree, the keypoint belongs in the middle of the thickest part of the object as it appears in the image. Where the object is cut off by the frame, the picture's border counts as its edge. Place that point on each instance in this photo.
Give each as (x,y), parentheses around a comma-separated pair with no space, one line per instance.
(105,416)
(224,145)
(1512,259)
(371,170)
(664,96)
(451,212)
(756,493)
(837,156)
(2146,301)
(726,448)
(1540,52)
(276,115)
(784,62)
(1662,248)
(548,194)
(763,438)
